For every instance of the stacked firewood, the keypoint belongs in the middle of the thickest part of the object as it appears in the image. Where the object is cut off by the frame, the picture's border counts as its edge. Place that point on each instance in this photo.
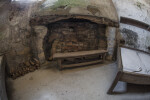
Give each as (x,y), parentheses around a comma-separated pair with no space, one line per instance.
(25,68)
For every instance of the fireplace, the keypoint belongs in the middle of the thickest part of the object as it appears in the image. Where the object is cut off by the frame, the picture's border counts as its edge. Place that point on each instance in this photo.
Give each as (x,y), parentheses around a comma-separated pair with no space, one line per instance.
(51,29)
(73,35)
(84,39)
(78,34)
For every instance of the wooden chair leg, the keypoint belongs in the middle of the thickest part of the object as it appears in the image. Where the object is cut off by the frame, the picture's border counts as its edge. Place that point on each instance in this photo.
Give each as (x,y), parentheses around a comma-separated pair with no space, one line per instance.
(110,91)
(59,64)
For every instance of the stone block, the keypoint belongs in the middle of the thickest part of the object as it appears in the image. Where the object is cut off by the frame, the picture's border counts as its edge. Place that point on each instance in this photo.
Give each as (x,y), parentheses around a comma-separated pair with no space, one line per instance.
(41,58)
(111,41)
(40,31)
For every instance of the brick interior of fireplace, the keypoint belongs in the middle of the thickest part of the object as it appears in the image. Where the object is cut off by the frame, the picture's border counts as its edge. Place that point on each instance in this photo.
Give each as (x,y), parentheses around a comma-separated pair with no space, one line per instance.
(74,35)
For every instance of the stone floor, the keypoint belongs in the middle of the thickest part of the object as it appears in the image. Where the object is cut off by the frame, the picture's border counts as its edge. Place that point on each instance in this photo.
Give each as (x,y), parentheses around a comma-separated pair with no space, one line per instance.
(84,83)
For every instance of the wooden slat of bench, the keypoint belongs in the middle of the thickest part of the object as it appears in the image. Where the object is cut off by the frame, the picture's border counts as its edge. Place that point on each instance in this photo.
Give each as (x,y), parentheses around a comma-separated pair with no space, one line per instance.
(78,54)
(82,64)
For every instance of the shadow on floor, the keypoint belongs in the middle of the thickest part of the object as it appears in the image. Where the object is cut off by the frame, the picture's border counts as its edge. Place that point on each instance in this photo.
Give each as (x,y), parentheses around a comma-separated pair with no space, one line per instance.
(133,88)
(123,87)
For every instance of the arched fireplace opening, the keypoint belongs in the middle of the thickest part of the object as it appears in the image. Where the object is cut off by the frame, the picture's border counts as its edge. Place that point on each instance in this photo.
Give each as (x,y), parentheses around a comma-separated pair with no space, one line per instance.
(73,35)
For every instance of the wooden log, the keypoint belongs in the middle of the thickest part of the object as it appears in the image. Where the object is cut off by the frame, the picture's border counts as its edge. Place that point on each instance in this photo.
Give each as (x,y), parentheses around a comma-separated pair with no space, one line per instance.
(27,64)
(78,54)
(36,61)
(31,62)
(81,64)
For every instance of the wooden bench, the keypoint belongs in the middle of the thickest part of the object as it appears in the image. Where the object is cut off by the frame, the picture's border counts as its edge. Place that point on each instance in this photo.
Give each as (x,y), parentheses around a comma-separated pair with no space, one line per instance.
(127,67)
(61,56)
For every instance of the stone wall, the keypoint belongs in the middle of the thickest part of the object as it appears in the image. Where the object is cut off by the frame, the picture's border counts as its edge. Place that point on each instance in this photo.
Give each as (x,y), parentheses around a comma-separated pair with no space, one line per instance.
(37,43)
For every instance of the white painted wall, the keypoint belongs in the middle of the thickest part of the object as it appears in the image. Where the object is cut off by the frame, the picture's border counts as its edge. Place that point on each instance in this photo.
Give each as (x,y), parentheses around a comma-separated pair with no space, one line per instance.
(129,8)
(139,10)
(143,36)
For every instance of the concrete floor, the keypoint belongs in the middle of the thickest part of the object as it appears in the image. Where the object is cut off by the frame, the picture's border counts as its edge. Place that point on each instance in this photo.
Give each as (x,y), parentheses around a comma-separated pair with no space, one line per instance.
(85,83)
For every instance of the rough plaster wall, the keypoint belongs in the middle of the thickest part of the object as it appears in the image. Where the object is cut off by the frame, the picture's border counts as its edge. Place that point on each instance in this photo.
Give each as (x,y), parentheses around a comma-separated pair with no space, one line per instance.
(143,38)
(19,36)
(14,24)
(139,10)
(135,9)
(15,33)
(111,41)
(3,95)
(4,28)
(4,34)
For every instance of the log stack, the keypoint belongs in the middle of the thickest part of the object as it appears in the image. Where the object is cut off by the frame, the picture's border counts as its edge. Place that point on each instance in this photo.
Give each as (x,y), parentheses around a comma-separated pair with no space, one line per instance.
(25,68)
